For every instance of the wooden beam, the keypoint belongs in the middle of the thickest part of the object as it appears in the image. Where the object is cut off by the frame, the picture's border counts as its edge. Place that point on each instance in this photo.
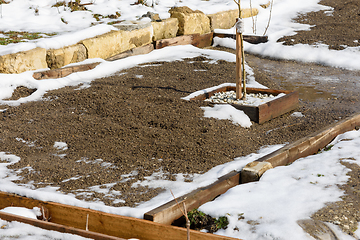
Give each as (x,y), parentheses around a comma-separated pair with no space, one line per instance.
(133,52)
(203,40)
(63,72)
(169,212)
(56,227)
(306,146)
(248,38)
(105,223)
(277,107)
(197,40)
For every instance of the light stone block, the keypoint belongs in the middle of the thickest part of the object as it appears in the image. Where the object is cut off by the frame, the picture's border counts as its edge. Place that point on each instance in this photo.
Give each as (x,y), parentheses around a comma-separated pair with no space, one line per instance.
(227,19)
(57,58)
(23,61)
(115,42)
(190,21)
(167,28)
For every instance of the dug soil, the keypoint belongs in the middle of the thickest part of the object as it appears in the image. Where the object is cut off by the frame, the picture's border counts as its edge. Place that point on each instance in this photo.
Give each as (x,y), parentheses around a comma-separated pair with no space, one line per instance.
(124,128)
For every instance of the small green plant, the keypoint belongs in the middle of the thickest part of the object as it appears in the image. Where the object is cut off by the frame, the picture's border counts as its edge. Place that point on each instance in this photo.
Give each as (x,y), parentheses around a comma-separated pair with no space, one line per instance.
(320,175)
(222,222)
(200,220)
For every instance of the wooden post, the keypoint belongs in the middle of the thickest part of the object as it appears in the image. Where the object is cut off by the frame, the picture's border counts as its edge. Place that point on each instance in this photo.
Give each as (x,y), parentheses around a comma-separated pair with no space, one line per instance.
(238,66)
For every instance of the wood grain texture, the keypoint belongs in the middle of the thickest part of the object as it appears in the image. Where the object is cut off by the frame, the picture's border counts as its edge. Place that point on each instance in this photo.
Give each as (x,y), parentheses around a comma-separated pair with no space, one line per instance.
(197,40)
(63,72)
(105,223)
(170,211)
(248,38)
(132,52)
(57,227)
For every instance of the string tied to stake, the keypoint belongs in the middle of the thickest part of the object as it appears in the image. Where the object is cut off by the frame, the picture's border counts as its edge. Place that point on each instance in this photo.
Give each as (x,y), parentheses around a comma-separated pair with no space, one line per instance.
(240,28)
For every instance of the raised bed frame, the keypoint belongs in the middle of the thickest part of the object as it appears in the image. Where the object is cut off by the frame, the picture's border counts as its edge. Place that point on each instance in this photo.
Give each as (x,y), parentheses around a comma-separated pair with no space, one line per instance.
(265,111)
(101,225)
(253,171)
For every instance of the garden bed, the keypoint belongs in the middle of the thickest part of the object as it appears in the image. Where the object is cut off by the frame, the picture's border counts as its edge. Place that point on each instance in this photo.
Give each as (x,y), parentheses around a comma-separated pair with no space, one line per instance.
(264,111)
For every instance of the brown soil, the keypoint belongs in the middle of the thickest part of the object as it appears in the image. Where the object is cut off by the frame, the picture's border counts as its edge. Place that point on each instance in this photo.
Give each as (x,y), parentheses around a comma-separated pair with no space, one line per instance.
(139,123)
(136,120)
(336,29)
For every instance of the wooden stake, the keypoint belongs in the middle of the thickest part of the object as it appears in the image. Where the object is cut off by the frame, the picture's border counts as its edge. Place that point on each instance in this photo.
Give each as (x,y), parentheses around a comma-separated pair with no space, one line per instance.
(243,66)
(238,66)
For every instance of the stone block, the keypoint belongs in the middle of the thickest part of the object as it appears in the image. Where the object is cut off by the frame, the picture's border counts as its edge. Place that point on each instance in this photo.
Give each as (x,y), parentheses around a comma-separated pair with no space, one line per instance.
(190,21)
(167,28)
(57,58)
(227,19)
(115,42)
(23,61)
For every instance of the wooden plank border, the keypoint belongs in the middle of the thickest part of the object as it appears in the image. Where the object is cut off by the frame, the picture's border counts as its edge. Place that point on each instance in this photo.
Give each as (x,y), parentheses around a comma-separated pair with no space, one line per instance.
(71,219)
(306,146)
(253,171)
(169,212)
(57,227)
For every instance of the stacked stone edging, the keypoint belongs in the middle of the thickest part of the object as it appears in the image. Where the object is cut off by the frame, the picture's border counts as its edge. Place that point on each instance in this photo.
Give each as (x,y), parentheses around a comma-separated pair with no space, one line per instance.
(183,21)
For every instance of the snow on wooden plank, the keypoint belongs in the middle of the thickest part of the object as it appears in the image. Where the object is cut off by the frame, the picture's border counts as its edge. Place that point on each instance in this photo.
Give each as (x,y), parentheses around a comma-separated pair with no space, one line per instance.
(306,146)
(104,223)
(57,227)
(169,212)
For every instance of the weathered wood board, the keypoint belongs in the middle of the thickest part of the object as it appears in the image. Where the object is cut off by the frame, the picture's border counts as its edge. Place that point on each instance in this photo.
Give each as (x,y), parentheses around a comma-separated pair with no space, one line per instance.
(65,218)
(132,52)
(63,72)
(169,212)
(197,40)
(263,112)
(57,227)
(248,38)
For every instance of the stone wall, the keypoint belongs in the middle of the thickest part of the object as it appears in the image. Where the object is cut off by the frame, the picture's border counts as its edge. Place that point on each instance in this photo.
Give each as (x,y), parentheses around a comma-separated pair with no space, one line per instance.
(183,21)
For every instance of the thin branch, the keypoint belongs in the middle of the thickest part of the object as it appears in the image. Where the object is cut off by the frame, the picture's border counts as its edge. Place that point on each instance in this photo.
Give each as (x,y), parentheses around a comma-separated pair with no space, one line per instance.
(185,215)
(238,3)
(178,203)
(252,18)
(272,1)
